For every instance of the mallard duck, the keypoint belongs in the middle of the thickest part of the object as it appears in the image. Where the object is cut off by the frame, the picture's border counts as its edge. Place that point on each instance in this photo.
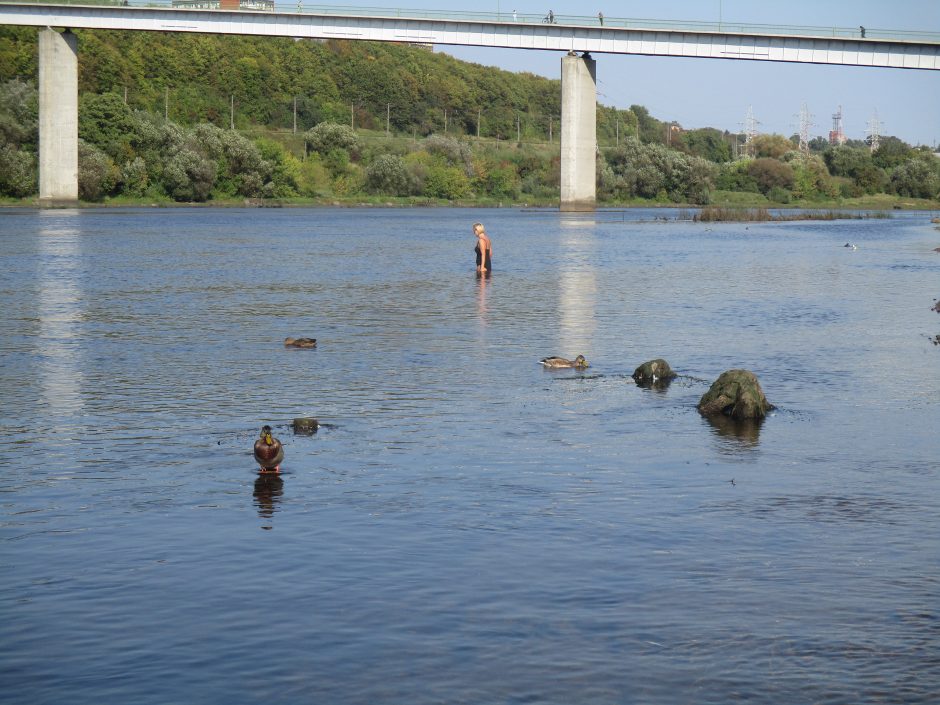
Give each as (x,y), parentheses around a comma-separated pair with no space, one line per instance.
(300,342)
(556,362)
(269,453)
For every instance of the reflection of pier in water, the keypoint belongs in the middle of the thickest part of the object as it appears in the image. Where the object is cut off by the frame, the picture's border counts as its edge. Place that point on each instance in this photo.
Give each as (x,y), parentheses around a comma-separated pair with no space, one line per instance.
(58,278)
(577,283)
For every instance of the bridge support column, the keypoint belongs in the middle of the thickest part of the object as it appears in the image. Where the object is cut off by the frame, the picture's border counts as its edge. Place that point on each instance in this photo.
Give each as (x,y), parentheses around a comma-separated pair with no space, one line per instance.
(58,116)
(578,133)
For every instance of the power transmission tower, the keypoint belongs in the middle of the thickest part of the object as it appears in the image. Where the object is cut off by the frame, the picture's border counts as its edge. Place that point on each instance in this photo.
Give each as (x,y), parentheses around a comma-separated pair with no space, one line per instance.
(806,122)
(875,128)
(750,131)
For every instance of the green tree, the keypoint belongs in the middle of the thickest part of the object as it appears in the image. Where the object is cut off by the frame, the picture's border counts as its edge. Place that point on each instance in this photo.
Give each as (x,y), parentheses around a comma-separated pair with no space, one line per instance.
(97,175)
(918,178)
(106,122)
(771,146)
(189,176)
(446,182)
(769,173)
(19,113)
(708,143)
(734,176)
(891,152)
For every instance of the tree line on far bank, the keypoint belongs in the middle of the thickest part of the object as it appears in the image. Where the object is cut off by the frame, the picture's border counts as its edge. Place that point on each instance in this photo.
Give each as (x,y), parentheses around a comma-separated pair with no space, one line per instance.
(130,149)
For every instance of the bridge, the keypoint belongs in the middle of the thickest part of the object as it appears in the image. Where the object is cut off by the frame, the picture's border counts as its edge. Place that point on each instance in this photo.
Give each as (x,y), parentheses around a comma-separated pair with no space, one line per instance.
(577,36)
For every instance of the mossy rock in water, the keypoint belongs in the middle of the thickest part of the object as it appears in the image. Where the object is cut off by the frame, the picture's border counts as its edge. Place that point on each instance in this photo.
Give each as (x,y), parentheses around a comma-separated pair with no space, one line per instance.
(657,370)
(736,393)
(305,425)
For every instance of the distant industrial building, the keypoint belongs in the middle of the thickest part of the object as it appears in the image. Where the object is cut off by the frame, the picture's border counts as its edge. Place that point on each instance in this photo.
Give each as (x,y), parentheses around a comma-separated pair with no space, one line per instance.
(837,133)
(254,5)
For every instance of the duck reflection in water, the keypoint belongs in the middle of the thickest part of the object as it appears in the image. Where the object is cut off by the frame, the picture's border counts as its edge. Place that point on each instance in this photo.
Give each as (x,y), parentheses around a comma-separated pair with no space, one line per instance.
(744,434)
(269,488)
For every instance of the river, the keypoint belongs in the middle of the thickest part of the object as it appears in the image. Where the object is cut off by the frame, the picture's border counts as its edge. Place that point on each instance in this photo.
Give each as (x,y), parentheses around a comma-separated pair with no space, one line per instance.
(466,527)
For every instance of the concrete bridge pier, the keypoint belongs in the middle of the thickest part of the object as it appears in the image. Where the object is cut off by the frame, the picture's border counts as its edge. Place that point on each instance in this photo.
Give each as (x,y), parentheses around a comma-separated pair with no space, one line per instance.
(58,116)
(578,133)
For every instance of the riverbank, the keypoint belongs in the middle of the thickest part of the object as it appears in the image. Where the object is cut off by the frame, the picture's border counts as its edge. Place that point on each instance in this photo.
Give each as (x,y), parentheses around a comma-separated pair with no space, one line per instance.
(723,200)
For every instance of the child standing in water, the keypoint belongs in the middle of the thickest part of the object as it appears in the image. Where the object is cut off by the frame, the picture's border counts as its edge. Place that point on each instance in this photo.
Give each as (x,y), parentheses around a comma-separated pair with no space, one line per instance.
(484,250)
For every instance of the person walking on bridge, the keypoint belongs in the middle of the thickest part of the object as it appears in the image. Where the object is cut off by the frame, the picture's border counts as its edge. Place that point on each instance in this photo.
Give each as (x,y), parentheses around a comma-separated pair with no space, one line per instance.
(600,18)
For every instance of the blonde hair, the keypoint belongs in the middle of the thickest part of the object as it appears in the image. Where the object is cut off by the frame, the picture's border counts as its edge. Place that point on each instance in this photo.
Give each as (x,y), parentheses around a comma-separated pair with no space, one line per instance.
(478,225)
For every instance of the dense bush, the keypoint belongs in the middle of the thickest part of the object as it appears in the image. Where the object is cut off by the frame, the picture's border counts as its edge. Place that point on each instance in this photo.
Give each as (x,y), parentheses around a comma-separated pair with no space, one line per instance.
(735,177)
(919,178)
(448,182)
(17,171)
(329,136)
(19,113)
(655,171)
(388,174)
(771,146)
(189,176)
(97,175)
(770,173)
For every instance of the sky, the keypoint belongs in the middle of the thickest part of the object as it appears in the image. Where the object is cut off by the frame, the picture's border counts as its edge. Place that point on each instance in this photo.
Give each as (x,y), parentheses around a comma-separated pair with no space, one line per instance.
(717,92)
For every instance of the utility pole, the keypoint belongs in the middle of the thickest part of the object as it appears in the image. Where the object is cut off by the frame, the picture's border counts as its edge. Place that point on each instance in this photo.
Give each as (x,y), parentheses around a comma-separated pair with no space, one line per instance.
(550,118)
(445,121)
(231,118)
(388,119)
(295,115)
(166,103)
(479,114)
(518,131)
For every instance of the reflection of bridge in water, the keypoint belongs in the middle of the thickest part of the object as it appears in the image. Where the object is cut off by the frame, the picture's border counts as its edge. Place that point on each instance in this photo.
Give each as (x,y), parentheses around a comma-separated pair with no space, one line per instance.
(578,36)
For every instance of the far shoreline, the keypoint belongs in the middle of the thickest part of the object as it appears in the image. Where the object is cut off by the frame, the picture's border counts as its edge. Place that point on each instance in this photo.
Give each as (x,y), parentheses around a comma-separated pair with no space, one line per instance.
(726,201)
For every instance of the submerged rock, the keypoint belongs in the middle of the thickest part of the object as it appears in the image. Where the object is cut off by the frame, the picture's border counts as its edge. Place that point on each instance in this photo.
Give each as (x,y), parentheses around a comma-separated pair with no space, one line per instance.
(300,342)
(654,371)
(736,393)
(305,425)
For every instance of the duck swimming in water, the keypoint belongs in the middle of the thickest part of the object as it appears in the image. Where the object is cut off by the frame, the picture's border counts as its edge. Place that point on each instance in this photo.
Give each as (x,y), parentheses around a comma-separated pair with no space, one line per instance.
(300,342)
(269,453)
(558,362)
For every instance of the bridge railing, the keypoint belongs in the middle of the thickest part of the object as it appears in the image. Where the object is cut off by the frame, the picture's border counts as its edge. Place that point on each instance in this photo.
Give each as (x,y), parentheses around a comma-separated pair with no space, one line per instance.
(522,18)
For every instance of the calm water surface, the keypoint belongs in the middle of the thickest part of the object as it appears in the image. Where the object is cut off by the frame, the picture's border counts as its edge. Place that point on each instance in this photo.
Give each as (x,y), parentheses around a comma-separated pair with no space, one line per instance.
(469,528)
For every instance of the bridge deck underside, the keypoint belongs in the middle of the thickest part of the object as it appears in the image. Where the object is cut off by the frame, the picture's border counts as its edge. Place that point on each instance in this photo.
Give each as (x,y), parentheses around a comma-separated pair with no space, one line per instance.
(712,45)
